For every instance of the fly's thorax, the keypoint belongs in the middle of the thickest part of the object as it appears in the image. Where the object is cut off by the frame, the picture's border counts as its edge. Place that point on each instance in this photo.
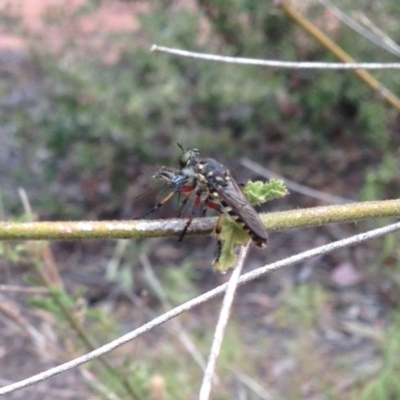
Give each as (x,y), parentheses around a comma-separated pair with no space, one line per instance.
(222,180)
(211,173)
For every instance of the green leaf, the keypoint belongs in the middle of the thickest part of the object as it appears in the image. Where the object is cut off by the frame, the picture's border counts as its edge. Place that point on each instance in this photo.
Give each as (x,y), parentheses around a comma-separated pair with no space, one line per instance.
(260,192)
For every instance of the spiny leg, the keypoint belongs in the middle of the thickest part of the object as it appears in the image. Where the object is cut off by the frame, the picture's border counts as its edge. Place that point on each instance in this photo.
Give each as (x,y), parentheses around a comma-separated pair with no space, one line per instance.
(186,191)
(157,206)
(195,207)
(211,203)
(217,231)
(184,202)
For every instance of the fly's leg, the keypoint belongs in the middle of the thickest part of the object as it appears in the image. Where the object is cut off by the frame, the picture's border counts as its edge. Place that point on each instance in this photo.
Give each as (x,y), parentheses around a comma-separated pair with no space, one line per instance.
(184,202)
(217,231)
(209,203)
(195,207)
(185,190)
(157,206)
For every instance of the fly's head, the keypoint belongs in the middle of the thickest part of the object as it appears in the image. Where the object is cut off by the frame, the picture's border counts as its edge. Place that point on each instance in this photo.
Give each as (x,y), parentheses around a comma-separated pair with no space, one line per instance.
(189,158)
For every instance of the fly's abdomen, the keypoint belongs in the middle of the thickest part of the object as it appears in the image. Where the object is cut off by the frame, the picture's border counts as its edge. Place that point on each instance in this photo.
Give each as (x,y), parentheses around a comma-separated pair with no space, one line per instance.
(250,222)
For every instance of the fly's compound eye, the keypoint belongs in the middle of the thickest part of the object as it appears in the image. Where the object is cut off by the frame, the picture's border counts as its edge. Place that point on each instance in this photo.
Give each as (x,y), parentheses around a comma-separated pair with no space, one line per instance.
(187,157)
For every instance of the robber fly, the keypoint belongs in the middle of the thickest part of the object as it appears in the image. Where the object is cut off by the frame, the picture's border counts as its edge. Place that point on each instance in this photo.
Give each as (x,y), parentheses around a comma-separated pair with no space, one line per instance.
(215,188)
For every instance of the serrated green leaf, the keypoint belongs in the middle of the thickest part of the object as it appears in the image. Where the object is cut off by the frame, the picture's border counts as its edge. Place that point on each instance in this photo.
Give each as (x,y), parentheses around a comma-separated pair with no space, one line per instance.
(260,192)
(231,236)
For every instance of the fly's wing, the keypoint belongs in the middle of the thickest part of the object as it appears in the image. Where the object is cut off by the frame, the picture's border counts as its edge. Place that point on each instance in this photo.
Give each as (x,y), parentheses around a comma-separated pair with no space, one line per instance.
(238,207)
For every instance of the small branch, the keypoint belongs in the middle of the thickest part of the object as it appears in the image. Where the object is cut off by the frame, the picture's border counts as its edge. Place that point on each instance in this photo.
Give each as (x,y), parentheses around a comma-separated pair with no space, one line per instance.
(66,230)
(317,216)
(205,389)
(298,258)
(273,63)
(23,289)
(300,218)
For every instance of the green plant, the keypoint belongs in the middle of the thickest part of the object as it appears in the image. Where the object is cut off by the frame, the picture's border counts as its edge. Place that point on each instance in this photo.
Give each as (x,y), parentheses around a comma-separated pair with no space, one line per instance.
(385,385)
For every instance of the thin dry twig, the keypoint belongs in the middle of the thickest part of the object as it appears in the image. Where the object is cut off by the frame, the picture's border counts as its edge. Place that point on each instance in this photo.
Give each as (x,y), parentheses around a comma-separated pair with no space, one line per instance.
(386,41)
(370,34)
(12,311)
(93,381)
(205,389)
(293,186)
(273,63)
(178,328)
(23,289)
(296,259)
(254,386)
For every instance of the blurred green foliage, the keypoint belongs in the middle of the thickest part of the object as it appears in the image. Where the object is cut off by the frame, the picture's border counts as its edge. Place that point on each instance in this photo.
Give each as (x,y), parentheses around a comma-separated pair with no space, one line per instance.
(381,181)
(385,385)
